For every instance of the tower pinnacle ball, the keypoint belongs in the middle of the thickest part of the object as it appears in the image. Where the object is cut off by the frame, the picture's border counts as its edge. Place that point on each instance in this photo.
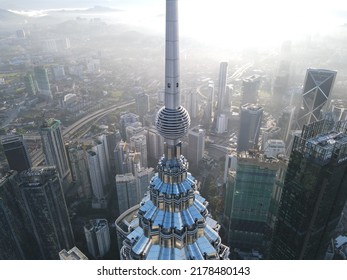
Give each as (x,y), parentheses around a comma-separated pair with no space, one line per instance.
(172,124)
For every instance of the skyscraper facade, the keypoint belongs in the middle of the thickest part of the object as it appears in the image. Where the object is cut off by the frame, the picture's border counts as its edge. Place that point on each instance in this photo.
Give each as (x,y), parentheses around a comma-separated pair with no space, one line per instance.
(314,192)
(196,142)
(79,170)
(45,205)
(29,84)
(41,77)
(250,122)
(172,222)
(222,83)
(16,152)
(138,144)
(142,104)
(99,187)
(54,148)
(254,182)
(14,235)
(98,239)
(126,191)
(250,87)
(318,85)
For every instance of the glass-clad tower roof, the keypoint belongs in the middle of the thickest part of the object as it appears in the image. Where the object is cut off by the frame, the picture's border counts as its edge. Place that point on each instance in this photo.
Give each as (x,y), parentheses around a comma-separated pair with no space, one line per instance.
(172,220)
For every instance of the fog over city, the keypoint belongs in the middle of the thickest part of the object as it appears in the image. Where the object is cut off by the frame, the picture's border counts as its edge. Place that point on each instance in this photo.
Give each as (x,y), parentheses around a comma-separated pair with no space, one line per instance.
(264,84)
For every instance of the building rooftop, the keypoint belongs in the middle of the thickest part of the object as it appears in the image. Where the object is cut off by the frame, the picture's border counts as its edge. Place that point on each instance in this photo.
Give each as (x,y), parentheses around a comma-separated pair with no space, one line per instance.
(73,254)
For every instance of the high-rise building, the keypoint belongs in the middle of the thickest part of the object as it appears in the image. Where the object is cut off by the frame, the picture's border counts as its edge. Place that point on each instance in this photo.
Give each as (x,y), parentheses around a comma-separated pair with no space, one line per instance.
(250,122)
(250,87)
(45,205)
(79,170)
(29,84)
(253,185)
(121,153)
(222,83)
(222,123)
(318,85)
(54,149)
(172,222)
(143,177)
(112,139)
(126,191)
(97,234)
(192,103)
(138,144)
(155,144)
(41,77)
(15,238)
(209,109)
(101,148)
(16,152)
(99,187)
(314,192)
(134,129)
(285,122)
(339,109)
(127,119)
(142,104)
(196,142)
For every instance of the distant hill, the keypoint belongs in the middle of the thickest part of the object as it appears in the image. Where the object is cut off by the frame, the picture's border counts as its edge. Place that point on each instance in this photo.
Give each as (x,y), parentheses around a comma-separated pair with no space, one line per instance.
(10,21)
(6,16)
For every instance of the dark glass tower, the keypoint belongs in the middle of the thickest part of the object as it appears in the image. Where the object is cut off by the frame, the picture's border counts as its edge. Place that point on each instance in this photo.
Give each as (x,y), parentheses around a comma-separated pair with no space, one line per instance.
(172,221)
(16,152)
(250,122)
(314,192)
(317,88)
(45,206)
(13,236)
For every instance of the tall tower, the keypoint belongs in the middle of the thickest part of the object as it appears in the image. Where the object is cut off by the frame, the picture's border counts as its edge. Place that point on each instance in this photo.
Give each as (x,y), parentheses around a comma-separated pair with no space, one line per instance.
(250,122)
(46,207)
(250,88)
(54,149)
(14,235)
(250,208)
(196,142)
(16,152)
(173,221)
(97,234)
(223,73)
(317,88)
(41,77)
(314,192)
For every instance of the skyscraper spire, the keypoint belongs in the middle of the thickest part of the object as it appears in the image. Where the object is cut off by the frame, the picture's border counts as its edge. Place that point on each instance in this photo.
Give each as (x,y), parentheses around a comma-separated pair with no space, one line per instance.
(172,221)
(172,120)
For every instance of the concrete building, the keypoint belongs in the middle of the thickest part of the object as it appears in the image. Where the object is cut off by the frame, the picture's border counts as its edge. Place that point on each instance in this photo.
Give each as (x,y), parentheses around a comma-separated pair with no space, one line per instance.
(222,83)
(126,191)
(250,122)
(250,87)
(196,142)
(72,254)
(42,82)
(98,239)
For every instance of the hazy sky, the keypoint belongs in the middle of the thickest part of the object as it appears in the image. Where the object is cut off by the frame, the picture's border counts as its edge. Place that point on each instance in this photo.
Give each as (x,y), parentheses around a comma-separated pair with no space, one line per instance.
(240,22)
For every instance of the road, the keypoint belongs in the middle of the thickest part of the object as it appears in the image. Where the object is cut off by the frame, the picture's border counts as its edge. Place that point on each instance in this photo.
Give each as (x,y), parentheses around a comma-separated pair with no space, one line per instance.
(37,158)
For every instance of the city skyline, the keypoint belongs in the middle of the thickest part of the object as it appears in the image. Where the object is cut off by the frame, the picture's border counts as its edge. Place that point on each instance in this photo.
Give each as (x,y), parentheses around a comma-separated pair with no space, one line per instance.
(92,93)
